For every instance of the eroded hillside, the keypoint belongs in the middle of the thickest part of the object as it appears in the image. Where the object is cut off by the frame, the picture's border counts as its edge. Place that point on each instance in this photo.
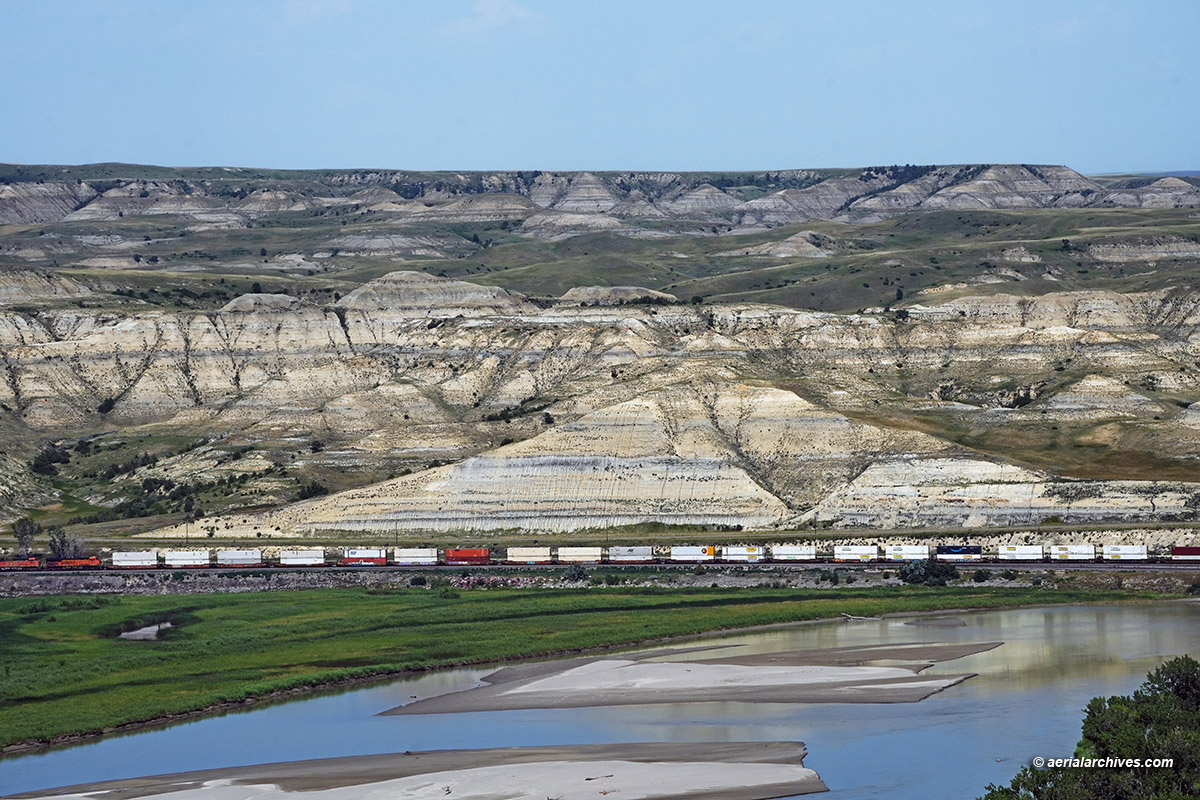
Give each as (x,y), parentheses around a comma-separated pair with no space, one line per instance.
(262,354)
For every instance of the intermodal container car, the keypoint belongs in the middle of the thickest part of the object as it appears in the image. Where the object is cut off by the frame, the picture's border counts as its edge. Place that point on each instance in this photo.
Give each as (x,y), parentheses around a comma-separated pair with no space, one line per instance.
(637,554)
(743,555)
(239,558)
(1072,552)
(1019,552)
(528,555)
(906,552)
(793,552)
(1184,553)
(959,552)
(302,557)
(690,553)
(467,555)
(364,557)
(1125,552)
(415,556)
(135,559)
(580,555)
(186,559)
(845,552)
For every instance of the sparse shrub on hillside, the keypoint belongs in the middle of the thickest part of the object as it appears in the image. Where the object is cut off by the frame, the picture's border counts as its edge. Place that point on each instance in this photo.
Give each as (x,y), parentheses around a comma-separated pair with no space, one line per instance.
(312,489)
(44,462)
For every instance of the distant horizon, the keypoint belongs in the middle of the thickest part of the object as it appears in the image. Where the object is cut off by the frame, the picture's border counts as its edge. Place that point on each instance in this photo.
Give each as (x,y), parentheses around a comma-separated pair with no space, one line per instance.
(1187,173)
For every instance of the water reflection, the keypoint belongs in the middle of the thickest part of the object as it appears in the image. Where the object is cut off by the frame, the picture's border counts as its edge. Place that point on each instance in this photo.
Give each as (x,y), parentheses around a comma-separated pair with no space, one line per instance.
(1026,701)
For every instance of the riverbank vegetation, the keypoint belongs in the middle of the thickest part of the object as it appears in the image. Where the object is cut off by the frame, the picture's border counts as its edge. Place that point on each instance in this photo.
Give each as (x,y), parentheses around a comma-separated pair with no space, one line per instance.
(1160,722)
(66,671)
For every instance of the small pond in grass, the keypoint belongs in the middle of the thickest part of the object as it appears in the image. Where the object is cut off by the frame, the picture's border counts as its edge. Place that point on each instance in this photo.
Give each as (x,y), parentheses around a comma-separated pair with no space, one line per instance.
(146,634)
(1026,701)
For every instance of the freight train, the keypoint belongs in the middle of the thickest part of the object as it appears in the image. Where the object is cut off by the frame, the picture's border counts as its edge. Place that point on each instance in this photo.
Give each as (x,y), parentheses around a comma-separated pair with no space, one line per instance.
(616,555)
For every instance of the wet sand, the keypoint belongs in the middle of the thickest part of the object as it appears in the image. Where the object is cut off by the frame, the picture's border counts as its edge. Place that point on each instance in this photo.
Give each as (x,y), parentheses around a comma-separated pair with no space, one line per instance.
(937,622)
(715,674)
(644,771)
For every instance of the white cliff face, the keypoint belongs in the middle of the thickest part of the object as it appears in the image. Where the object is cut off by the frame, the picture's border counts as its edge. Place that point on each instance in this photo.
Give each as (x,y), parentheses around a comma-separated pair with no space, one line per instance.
(20,287)
(804,244)
(1163,193)
(619,414)
(717,456)
(36,203)
(421,295)
(963,492)
(1013,186)
(1164,247)
(613,295)
(586,195)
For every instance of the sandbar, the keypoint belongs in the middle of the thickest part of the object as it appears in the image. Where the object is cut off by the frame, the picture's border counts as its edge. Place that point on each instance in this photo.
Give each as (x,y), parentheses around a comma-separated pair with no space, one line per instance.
(643,771)
(714,674)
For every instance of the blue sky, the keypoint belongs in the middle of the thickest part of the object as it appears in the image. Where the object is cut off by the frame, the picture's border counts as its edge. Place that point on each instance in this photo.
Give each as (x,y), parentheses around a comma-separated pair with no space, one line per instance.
(651,84)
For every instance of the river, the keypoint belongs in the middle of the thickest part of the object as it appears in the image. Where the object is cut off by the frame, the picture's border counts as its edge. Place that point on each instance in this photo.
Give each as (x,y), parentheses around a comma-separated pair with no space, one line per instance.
(1026,701)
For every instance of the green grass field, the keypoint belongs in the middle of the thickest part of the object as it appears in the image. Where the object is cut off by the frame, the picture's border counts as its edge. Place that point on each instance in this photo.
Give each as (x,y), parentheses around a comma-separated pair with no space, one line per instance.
(65,672)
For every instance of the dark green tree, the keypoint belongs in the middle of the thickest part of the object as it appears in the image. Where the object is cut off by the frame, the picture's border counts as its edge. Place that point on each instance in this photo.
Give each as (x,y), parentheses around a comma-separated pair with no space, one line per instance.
(26,530)
(1161,720)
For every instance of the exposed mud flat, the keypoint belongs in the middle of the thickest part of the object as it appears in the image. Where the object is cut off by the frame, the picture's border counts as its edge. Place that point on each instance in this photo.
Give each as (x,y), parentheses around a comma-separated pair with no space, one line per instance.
(841,675)
(725,771)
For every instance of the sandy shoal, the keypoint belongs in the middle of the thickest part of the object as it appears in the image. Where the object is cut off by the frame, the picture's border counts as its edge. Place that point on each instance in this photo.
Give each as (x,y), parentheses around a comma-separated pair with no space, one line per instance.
(715,674)
(658,771)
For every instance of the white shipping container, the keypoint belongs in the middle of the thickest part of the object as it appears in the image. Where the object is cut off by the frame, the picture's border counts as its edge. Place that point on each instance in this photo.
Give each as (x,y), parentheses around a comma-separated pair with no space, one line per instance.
(690,553)
(844,552)
(415,556)
(365,552)
(793,552)
(638,554)
(580,555)
(304,557)
(187,558)
(239,558)
(907,552)
(140,559)
(743,554)
(1019,552)
(1125,552)
(527,555)
(1072,552)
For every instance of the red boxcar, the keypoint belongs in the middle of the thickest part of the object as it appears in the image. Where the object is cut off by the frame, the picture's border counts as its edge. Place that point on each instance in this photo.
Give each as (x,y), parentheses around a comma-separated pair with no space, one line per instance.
(467,555)
(20,563)
(91,562)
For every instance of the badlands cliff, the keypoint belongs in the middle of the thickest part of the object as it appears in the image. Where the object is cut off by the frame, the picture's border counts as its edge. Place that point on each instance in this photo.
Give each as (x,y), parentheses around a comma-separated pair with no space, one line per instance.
(406,351)
(556,203)
(574,417)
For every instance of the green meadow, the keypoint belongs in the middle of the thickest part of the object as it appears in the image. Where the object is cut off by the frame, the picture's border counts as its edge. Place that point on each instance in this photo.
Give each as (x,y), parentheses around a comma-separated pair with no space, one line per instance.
(64,671)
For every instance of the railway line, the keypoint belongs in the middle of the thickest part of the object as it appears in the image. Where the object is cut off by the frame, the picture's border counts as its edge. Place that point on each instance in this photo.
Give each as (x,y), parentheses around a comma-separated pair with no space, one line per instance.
(774,557)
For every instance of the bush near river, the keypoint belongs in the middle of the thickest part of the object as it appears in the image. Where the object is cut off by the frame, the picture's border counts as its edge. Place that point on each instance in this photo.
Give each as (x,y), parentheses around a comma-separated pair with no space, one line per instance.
(1161,720)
